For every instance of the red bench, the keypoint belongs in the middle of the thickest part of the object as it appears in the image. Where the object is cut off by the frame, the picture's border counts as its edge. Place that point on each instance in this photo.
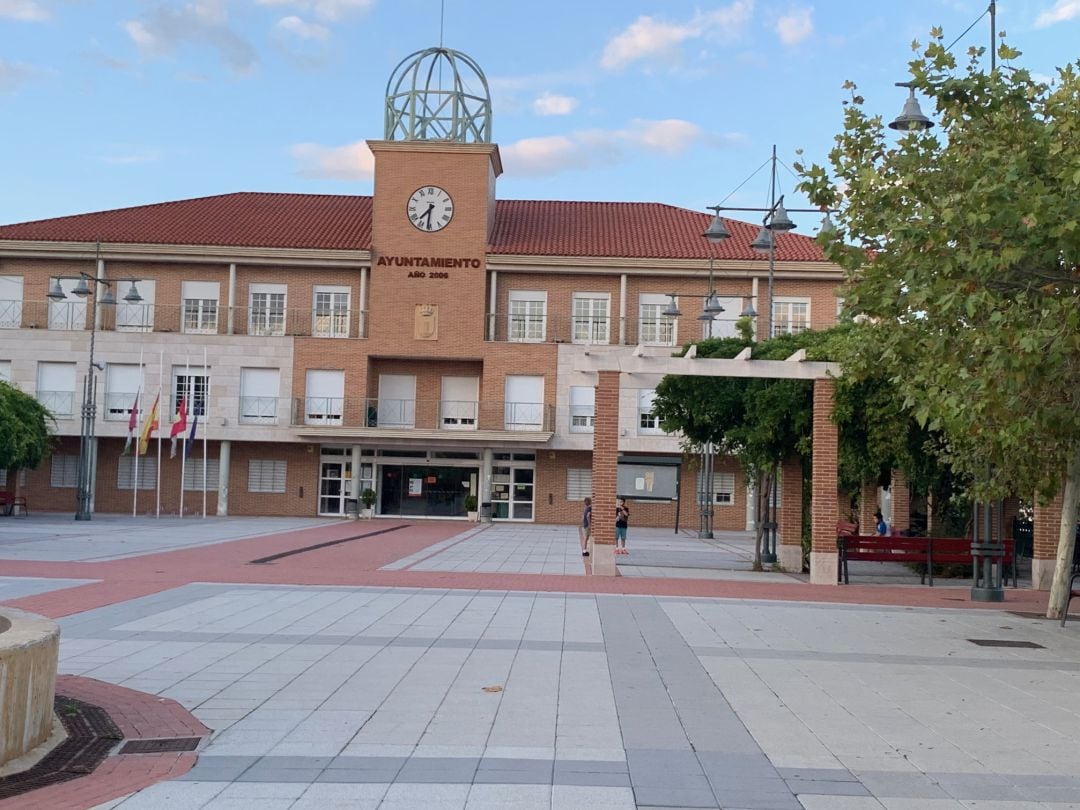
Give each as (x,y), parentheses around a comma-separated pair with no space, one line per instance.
(9,503)
(927,551)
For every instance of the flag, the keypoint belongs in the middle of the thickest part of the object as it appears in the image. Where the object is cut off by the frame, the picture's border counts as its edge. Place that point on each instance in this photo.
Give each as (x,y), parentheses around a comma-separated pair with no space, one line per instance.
(191,436)
(149,426)
(179,425)
(133,423)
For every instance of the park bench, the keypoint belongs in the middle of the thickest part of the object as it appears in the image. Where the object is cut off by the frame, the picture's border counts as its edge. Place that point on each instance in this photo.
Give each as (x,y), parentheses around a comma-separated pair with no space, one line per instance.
(1074,581)
(925,551)
(10,502)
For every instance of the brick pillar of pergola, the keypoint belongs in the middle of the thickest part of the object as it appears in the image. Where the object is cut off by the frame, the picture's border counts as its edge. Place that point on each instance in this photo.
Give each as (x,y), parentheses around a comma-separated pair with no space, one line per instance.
(605,460)
(868,504)
(1047,529)
(823,511)
(901,502)
(789,552)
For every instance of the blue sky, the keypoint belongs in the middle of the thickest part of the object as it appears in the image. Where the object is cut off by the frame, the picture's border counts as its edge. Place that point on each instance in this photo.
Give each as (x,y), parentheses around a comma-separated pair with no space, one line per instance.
(124,102)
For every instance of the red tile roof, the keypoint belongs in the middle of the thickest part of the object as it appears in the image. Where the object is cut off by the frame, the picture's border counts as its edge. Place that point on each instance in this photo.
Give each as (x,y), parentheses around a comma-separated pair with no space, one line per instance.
(339,222)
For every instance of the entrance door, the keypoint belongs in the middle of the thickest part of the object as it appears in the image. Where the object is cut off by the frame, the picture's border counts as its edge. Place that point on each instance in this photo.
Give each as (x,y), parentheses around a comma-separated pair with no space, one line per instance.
(424,491)
(335,485)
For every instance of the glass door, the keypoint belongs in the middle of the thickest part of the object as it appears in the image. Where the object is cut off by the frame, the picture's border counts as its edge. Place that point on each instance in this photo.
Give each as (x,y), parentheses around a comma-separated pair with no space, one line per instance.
(335,485)
(521,498)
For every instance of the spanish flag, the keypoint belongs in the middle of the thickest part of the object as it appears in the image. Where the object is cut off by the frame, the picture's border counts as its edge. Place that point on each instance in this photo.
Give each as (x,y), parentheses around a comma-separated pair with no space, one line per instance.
(149,426)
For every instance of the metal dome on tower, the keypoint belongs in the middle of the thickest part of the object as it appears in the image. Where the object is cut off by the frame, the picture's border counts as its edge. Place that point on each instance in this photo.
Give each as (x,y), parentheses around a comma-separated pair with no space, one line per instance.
(438,94)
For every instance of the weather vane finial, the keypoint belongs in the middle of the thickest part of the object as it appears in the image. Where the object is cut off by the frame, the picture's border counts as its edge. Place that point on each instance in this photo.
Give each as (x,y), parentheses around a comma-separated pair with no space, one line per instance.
(442,15)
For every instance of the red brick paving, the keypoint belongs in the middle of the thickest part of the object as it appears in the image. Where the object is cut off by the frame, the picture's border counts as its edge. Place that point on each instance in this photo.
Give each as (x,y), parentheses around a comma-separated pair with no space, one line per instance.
(357,563)
(140,717)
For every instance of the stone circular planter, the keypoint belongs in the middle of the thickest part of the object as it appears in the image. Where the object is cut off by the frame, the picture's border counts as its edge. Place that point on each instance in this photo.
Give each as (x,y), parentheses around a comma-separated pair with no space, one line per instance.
(29,648)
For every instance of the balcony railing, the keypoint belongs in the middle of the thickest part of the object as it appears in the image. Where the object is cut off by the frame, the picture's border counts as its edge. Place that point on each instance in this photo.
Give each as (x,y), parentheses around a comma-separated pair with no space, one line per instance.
(516,328)
(125,317)
(258,410)
(58,403)
(412,414)
(118,405)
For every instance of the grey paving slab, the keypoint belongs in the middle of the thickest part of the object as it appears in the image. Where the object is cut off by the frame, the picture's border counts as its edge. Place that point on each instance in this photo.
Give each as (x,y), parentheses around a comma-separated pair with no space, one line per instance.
(12,588)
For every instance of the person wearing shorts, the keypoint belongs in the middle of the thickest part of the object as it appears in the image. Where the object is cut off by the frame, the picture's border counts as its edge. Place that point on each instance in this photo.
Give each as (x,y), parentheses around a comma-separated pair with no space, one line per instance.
(622,522)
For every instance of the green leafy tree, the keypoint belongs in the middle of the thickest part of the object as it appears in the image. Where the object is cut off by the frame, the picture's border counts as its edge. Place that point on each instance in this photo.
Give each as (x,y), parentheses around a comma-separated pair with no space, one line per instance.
(961,244)
(24,429)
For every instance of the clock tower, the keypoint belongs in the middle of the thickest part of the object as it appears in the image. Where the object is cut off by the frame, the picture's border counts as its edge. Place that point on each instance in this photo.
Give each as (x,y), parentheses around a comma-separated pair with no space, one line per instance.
(433,209)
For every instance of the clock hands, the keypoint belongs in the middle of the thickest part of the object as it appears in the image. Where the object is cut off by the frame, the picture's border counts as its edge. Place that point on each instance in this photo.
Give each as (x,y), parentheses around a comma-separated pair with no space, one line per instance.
(427,214)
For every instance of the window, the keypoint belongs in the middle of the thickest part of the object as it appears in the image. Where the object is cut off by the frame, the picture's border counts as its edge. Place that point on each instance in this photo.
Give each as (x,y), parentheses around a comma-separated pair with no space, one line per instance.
(191,384)
(125,472)
(331,313)
(578,484)
(266,475)
(11,302)
(259,388)
(324,403)
(69,313)
(201,306)
(5,370)
(654,327)
(723,487)
(591,317)
(3,479)
(459,404)
(137,317)
(65,471)
(723,323)
(123,381)
(397,400)
(524,403)
(528,316)
(193,474)
(648,423)
(790,315)
(266,309)
(582,408)
(56,387)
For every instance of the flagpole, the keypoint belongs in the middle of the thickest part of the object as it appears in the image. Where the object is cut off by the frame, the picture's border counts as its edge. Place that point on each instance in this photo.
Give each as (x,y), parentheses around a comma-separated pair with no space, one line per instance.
(161,383)
(135,489)
(183,459)
(206,427)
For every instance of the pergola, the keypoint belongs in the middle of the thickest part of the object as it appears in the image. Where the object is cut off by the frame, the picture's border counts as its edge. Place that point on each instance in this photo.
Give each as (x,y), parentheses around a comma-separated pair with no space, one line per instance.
(609,369)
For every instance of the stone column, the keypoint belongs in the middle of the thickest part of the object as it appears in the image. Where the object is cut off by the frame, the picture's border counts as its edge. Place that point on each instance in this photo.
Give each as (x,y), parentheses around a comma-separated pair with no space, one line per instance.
(823,514)
(355,483)
(486,463)
(901,502)
(1047,530)
(224,456)
(790,518)
(605,459)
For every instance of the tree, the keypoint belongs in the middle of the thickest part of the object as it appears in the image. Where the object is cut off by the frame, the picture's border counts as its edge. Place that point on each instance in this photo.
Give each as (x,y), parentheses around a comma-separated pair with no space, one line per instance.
(24,429)
(962,248)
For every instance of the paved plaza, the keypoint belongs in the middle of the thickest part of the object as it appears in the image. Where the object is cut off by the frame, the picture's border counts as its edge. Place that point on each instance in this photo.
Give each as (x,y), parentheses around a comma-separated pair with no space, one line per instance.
(436,680)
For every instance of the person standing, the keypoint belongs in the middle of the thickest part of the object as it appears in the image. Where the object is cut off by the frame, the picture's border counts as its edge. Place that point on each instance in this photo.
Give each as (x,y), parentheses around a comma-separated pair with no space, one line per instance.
(585,529)
(622,522)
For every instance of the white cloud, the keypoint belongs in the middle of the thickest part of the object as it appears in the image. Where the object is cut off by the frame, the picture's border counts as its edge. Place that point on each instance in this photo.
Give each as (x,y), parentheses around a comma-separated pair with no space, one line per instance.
(352,161)
(13,75)
(327,10)
(1063,11)
(795,26)
(596,147)
(648,38)
(23,10)
(205,22)
(552,104)
(304,30)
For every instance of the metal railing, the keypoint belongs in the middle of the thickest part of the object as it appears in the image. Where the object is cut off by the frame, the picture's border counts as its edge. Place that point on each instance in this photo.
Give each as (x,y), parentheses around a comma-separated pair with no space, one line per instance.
(118,405)
(258,410)
(423,414)
(506,327)
(125,317)
(58,403)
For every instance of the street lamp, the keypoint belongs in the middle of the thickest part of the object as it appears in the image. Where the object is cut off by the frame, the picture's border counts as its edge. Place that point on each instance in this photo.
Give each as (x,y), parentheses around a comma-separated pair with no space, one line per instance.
(912,118)
(86,433)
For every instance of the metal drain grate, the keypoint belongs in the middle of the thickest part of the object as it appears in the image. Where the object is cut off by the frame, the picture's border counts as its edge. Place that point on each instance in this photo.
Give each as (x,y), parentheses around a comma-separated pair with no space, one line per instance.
(161,745)
(91,735)
(993,642)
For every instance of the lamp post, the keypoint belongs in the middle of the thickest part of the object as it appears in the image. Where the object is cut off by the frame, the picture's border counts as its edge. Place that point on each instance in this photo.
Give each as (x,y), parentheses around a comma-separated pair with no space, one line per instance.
(89,404)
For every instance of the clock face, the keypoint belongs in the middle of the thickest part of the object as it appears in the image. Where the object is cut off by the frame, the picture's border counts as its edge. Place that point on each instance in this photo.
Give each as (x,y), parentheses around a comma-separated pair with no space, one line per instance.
(430,209)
